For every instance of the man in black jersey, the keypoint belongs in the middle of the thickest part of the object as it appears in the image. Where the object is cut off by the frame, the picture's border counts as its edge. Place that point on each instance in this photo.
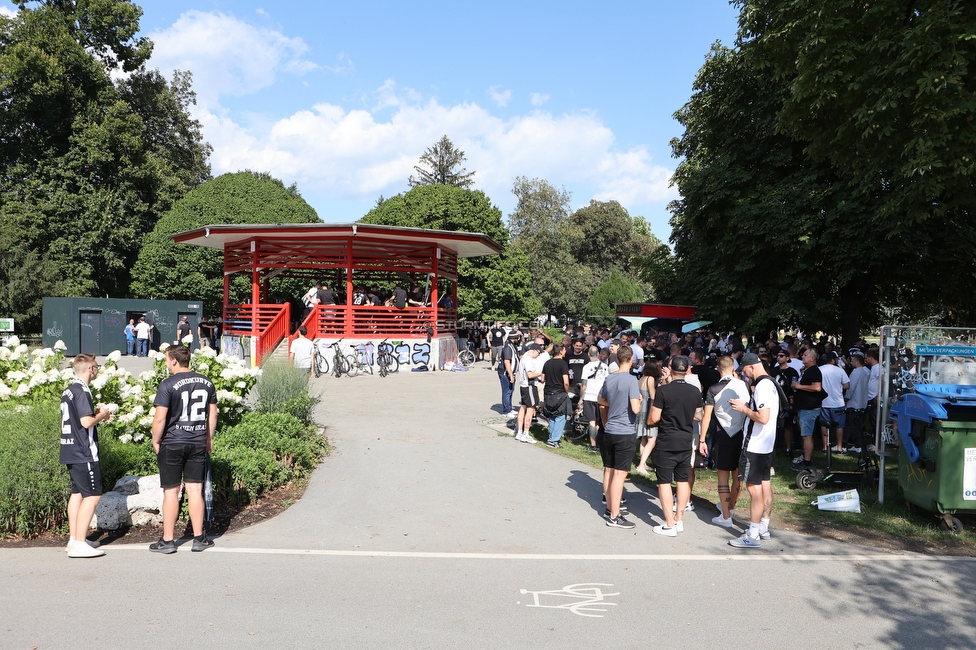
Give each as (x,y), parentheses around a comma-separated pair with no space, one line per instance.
(79,451)
(182,434)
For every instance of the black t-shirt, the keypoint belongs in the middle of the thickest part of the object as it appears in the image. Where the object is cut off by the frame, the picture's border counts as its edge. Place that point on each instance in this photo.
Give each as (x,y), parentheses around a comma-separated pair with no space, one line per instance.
(326,296)
(399,298)
(497,337)
(183,329)
(373,299)
(576,363)
(78,444)
(187,396)
(804,400)
(511,353)
(707,376)
(359,298)
(553,371)
(678,401)
(785,379)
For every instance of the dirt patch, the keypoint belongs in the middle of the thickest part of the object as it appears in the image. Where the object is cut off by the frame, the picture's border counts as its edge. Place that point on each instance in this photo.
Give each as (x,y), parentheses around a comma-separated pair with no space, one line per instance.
(226,520)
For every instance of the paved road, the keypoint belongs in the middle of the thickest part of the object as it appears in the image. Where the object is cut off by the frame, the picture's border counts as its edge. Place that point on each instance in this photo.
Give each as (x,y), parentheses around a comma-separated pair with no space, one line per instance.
(426,529)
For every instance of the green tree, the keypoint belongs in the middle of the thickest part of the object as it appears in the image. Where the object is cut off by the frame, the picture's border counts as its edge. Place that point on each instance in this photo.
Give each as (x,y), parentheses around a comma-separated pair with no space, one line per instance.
(439,166)
(601,307)
(494,286)
(169,271)
(86,173)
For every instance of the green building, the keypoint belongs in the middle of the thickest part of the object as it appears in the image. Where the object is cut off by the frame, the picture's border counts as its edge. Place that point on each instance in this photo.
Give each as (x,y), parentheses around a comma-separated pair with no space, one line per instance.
(97,325)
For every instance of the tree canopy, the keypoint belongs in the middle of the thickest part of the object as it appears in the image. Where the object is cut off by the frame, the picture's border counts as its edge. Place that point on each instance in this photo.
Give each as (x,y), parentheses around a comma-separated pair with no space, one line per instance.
(490,287)
(88,164)
(169,271)
(616,288)
(772,229)
(441,165)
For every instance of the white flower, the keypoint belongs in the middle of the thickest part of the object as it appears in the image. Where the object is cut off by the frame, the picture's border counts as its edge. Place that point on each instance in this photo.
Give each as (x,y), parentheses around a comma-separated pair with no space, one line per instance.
(22,348)
(125,438)
(53,374)
(4,391)
(112,408)
(222,358)
(227,396)
(59,346)
(145,422)
(114,356)
(240,384)
(22,390)
(99,382)
(39,379)
(136,389)
(254,372)
(187,339)
(127,418)
(67,373)
(15,376)
(152,400)
(163,346)
(145,376)
(154,355)
(202,367)
(138,437)
(13,342)
(4,353)
(23,408)
(210,353)
(138,409)
(16,355)
(42,354)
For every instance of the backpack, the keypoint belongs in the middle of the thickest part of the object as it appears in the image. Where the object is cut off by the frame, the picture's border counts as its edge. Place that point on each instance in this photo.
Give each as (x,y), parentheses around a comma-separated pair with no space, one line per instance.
(784,402)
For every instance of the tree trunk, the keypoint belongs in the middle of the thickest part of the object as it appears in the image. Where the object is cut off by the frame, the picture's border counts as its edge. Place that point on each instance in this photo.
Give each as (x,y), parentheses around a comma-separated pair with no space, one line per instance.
(851,301)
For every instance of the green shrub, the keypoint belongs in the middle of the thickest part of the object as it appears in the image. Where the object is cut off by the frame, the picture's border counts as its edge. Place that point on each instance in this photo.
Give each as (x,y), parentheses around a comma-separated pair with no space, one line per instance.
(119,459)
(284,389)
(34,486)
(246,470)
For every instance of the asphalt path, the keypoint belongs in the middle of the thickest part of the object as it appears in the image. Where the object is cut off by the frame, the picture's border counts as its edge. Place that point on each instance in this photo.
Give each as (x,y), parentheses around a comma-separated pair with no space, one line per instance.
(425,528)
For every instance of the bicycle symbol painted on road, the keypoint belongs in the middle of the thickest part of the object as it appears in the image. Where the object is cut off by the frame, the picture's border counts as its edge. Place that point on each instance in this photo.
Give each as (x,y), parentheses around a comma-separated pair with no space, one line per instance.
(586,598)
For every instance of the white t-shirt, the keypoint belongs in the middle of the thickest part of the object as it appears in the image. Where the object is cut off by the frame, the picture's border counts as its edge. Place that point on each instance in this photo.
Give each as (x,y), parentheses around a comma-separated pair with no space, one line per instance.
(594,374)
(638,360)
(873,381)
(833,382)
(527,365)
(764,395)
(142,330)
(302,348)
(797,365)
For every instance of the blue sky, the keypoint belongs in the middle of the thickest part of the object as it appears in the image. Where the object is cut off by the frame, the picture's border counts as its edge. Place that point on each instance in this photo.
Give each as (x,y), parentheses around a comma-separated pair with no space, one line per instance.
(343,98)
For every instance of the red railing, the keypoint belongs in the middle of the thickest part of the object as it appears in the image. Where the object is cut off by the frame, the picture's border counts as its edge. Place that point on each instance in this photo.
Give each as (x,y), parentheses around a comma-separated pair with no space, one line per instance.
(340,321)
(271,327)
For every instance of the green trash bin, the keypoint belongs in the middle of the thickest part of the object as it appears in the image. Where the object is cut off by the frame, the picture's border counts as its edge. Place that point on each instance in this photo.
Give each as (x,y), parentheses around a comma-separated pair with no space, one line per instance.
(937,457)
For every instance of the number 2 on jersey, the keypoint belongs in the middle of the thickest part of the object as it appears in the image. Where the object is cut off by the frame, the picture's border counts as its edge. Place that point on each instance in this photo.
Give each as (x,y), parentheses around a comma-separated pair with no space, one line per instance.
(194,406)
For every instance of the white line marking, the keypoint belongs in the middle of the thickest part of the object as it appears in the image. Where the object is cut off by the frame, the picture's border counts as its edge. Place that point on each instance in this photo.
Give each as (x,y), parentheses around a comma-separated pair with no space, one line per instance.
(745,556)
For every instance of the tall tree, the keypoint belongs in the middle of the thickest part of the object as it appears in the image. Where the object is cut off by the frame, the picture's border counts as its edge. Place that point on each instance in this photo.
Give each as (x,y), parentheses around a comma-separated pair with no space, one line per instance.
(616,288)
(169,271)
(88,164)
(441,165)
(494,286)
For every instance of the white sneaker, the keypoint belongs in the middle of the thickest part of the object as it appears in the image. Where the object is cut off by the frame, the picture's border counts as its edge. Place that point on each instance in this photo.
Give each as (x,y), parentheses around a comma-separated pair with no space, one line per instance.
(722,521)
(80,549)
(689,507)
(91,542)
(664,530)
(679,526)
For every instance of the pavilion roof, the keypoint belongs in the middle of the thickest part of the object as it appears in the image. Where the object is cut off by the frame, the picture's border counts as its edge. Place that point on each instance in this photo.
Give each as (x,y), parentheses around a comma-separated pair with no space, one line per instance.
(465,244)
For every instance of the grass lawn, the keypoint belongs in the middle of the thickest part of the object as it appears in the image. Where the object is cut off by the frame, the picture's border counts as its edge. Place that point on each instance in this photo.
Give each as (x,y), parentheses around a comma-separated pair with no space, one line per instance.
(889,525)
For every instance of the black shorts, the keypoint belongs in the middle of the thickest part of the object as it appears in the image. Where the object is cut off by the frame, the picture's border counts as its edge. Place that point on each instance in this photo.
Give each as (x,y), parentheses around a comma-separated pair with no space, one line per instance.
(617,451)
(672,465)
(86,479)
(181,464)
(591,411)
(754,468)
(727,451)
(530,397)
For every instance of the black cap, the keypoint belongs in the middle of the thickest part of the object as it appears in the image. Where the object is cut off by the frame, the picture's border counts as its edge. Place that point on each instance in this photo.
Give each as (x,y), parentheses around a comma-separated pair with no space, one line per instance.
(749,359)
(679,363)
(534,346)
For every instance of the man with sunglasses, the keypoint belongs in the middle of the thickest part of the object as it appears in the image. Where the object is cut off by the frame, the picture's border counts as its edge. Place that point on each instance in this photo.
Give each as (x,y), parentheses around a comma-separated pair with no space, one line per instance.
(785,375)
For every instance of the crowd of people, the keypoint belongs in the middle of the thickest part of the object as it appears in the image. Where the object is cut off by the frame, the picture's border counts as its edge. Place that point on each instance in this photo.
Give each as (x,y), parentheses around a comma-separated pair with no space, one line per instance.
(681,402)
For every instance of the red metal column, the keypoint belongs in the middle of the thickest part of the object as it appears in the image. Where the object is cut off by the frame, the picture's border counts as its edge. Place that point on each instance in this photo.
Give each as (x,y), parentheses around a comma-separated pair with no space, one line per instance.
(435,262)
(255,288)
(348,323)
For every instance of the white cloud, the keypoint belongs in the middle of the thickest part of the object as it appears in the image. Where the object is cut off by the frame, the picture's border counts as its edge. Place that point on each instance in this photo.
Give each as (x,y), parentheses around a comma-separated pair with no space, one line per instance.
(499,96)
(348,154)
(227,56)
(7,12)
(538,99)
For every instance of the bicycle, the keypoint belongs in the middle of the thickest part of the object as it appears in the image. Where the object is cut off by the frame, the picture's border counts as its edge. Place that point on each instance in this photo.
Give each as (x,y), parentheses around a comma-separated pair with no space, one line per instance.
(385,359)
(466,356)
(360,362)
(320,365)
(340,364)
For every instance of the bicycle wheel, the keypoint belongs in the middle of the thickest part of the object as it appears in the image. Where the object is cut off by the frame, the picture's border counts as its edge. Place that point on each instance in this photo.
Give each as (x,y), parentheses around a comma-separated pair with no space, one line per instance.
(383,370)
(321,366)
(465,358)
(366,368)
(392,364)
(339,365)
(352,365)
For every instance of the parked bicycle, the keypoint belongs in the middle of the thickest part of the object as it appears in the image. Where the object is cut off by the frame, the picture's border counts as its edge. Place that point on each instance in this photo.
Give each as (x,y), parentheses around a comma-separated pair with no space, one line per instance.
(466,356)
(320,365)
(340,365)
(361,361)
(385,358)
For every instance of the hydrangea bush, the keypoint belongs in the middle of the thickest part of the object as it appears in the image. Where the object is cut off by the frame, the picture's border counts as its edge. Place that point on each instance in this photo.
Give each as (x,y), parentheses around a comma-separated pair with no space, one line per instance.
(27,377)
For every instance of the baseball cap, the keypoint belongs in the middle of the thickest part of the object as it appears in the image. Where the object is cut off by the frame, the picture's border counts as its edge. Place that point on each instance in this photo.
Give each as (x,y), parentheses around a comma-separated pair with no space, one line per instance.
(855,352)
(534,346)
(514,334)
(749,359)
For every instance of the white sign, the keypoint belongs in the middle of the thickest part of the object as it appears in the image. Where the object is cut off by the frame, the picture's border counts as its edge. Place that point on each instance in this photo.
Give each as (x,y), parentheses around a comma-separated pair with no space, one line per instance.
(969,475)
(6,324)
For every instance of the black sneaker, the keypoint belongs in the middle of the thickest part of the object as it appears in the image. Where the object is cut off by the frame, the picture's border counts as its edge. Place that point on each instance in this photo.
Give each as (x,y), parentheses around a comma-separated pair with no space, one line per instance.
(593,449)
(201,543)
(620,522)
(554,445)
(603,500)
(623,511)
(163,547)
